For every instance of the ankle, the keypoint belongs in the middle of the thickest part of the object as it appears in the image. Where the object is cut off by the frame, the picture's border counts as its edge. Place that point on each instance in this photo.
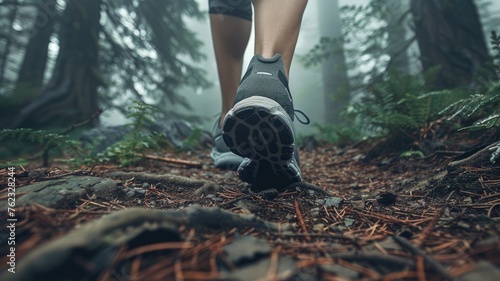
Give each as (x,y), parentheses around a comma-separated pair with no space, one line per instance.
(221,120)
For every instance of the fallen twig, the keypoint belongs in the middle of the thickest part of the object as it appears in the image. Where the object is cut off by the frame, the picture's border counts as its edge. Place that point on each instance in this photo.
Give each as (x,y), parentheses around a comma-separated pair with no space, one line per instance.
(300,218)
(416,251)
(305,185)
(172,160)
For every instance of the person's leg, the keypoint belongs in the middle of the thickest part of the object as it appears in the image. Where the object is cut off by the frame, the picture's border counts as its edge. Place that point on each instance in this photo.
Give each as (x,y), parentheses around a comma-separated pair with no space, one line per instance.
(277,25)
(231,23)
(260,127)
(230,38)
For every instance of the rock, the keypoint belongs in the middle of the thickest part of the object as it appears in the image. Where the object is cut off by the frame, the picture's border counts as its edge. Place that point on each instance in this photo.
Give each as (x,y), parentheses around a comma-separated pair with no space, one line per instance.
(358,204)
(101,138)
(467,200)
(386,198)
(65,192)
(333,202)
(484,271)
(349,222)
(247,206)
(314,212)
(246,249)
(176,132)
(318,227)
(37,174)
(130,193)
(249,258)
(330,201)
(269,194)
(283,268)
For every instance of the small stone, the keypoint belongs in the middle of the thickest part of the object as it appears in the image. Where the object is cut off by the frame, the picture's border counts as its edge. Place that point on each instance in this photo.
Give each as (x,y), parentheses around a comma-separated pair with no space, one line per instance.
(354,186)
(36,174)
(386,198)
(467,200)
(358,157)
(335,228)
(320,201)
(145,185)
(333,202)
(348,222)
(269,194)
(130,193)
(318,227)
(414,206)
(358,204)
(314,211)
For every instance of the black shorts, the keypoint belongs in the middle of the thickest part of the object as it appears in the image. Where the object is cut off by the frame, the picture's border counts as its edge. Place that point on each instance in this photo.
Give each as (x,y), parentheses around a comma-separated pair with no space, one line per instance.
(237,8)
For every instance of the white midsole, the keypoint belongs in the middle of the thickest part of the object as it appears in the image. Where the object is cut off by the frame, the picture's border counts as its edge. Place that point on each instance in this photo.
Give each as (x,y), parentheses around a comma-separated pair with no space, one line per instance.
(266,103)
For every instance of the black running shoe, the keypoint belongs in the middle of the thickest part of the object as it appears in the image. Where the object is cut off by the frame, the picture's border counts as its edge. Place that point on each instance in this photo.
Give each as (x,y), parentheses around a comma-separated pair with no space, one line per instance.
(260,126)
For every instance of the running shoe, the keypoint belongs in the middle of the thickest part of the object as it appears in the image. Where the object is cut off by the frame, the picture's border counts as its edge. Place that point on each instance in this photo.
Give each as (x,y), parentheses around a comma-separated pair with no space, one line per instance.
(222,157)
(260,127)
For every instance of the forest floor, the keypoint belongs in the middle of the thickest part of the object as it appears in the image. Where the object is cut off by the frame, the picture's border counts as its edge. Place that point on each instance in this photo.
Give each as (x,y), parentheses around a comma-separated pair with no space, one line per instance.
(390,218)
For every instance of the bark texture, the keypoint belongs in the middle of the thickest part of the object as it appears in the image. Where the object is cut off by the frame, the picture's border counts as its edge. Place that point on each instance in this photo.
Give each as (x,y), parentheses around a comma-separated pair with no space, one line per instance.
(449,35)
(71,94)
(30,77)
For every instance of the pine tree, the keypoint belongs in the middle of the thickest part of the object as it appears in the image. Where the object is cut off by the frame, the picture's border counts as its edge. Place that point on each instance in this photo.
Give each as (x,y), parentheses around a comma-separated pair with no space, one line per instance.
(450,35)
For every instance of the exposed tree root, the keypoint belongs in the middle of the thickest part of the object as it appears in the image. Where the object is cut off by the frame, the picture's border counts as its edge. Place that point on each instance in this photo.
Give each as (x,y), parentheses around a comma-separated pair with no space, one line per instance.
(202,186)
(92,247)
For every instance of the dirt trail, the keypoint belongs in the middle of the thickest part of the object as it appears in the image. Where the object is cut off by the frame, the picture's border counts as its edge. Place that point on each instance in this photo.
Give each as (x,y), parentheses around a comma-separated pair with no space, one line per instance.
(390,219)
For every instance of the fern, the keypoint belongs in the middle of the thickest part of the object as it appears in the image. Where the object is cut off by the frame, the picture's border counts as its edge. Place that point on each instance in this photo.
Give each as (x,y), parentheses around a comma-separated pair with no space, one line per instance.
(48,141)
(41,137)
(128,151)
(400,106)
(339,135)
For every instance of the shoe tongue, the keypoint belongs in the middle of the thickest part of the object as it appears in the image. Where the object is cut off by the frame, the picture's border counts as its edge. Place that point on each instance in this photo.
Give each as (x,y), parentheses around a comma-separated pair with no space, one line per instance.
(275,58)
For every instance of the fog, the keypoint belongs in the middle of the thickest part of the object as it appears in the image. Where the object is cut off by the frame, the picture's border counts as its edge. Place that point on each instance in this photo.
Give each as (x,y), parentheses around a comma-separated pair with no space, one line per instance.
(305,83)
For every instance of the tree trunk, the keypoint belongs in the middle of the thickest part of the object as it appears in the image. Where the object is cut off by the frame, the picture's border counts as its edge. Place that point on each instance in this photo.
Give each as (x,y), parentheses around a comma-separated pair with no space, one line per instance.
(397,42)
(449,34)
(335,80)
(8,41)
(71,94)
(30,77)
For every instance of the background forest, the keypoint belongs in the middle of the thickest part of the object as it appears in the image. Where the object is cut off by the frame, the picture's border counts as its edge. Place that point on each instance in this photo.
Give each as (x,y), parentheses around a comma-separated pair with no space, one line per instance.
(371,68)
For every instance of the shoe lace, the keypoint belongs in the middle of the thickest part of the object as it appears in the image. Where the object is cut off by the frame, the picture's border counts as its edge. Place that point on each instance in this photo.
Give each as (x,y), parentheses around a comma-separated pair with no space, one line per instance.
(307,120)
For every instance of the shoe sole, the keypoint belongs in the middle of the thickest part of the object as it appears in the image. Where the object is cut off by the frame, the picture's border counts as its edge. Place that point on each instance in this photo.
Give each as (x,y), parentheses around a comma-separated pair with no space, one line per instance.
(259,129)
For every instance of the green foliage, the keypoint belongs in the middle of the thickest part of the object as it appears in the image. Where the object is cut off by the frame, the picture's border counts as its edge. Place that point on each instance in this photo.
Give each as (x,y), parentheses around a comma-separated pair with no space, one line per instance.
(496,153)
(128,151)
(401,106)
(411,153)
(48,141)
(192,142)
(339,135)
(148,50)
(365,41)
